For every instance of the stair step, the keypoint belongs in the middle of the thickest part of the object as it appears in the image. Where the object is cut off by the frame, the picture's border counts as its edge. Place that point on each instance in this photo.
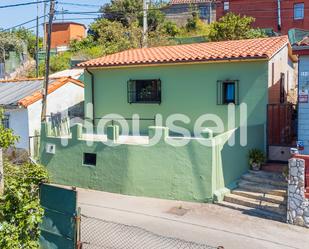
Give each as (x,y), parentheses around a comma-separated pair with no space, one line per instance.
(262,188)
(253,211)
(260,196)
(254,203)
(265,178)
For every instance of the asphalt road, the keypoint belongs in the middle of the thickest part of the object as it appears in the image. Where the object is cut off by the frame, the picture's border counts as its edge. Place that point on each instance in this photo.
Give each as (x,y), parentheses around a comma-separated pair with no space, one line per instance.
(206,224)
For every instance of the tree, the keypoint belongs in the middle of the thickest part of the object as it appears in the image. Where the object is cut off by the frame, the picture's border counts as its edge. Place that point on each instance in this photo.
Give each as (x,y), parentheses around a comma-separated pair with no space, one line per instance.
(234,27)
(115,37)
(20,209)
(10,42)
(29,38)
(123,11)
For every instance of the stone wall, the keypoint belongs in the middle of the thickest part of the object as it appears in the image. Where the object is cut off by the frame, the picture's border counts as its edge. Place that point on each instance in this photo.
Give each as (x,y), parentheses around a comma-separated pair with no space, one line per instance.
(298,205)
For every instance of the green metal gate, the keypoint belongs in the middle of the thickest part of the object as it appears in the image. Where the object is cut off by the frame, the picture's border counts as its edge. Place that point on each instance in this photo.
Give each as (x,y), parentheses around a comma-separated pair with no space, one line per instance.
(60,226)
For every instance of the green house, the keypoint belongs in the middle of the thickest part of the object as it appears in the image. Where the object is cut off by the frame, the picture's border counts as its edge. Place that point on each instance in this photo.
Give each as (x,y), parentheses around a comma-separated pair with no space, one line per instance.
(172,122)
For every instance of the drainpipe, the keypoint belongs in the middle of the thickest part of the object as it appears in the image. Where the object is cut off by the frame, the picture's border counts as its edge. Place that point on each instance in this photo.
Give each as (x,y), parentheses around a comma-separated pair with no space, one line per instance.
(279,15)
(92,95)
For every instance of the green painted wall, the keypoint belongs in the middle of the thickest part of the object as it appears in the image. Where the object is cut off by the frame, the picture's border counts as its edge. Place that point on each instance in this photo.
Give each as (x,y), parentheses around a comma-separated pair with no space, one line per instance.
(165,171)
(191,173)
(186,89)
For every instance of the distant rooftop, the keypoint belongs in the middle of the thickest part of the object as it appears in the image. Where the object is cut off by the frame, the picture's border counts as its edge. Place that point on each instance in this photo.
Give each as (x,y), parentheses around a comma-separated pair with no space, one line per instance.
(68,23)
(298,37)
(24,92)
(75,73)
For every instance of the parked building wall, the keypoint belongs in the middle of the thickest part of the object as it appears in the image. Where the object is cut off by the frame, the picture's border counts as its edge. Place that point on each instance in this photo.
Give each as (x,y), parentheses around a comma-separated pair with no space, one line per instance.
(281,67)
(266,13)
(63,33)
(180,13)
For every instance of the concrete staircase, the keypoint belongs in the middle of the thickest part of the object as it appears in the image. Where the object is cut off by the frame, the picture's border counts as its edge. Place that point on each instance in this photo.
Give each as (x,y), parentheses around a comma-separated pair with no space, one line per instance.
(259,193)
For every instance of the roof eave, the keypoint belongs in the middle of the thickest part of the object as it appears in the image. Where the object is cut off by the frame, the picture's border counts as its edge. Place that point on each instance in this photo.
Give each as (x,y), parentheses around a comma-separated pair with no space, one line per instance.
(191,62)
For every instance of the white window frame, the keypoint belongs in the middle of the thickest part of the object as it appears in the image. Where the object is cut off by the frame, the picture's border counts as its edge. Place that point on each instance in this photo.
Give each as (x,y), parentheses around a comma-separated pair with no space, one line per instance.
(226,5)
(299,11)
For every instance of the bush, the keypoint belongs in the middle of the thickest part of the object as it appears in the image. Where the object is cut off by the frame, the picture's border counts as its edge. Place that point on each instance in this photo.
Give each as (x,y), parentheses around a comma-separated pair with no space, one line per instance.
(234,27)
(20,210)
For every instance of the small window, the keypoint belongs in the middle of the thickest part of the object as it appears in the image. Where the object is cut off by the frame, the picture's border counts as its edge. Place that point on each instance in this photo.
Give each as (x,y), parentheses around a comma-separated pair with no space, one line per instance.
(299,11)
(204,12)
(144,91)
(6,121)
(282,88)
(90,159)
(227,92)
(226,6)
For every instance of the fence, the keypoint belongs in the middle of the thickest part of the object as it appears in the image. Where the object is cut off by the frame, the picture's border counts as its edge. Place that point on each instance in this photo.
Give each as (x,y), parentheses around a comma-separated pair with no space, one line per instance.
(97,233)
(59,228)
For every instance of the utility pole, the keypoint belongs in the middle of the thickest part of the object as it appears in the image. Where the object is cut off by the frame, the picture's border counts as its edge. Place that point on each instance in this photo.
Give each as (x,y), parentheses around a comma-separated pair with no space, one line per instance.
(145,23)
(44,36)
(62,14)
(37,41)
(46,81)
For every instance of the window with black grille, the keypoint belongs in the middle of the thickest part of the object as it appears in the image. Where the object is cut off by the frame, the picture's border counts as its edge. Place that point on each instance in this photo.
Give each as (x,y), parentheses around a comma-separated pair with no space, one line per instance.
(144,91)
(227,92)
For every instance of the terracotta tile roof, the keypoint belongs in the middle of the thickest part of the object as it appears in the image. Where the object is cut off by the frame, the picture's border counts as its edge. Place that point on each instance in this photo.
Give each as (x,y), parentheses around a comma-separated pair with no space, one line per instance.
(24,92)
(197,52)
(173,2)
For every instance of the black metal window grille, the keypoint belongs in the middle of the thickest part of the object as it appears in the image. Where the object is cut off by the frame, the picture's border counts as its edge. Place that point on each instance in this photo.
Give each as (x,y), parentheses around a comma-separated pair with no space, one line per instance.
(144,91)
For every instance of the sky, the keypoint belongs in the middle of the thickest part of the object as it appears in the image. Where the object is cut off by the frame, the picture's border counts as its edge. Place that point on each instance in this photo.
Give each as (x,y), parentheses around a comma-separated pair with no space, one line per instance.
(10,17)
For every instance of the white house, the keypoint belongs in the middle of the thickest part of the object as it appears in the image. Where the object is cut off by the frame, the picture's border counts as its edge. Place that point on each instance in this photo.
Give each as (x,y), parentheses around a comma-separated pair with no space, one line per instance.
(22,102)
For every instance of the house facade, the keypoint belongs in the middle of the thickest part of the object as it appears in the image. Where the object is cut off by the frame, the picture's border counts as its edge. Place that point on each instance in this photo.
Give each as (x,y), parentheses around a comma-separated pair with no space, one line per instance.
(179,11)
(278,15)
(300,42)
(21,100)
(208,103)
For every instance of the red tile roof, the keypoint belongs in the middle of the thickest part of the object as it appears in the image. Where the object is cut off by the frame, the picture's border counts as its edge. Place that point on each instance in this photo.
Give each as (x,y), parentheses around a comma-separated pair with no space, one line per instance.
(37,95)
(172,2)
(197,52)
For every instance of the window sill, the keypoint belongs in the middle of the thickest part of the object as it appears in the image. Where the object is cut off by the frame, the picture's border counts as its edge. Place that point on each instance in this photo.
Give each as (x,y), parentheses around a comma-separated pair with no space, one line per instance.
(146,102)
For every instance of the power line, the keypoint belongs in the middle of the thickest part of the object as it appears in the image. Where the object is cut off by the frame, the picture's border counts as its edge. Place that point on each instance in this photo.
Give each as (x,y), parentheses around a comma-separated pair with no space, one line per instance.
(21,24)
(22,4)
(80,5)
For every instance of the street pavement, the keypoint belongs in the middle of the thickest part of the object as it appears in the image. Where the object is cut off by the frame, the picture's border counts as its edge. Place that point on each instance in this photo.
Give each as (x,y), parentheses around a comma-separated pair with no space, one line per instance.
(201,223)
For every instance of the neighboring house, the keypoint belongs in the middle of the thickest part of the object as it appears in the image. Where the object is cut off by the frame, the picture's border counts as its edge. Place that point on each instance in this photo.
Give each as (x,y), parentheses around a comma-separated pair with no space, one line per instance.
(300,42)
(75,73)
(21,100)
(64,32)
(279,15)
(191,80)
(179,11)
